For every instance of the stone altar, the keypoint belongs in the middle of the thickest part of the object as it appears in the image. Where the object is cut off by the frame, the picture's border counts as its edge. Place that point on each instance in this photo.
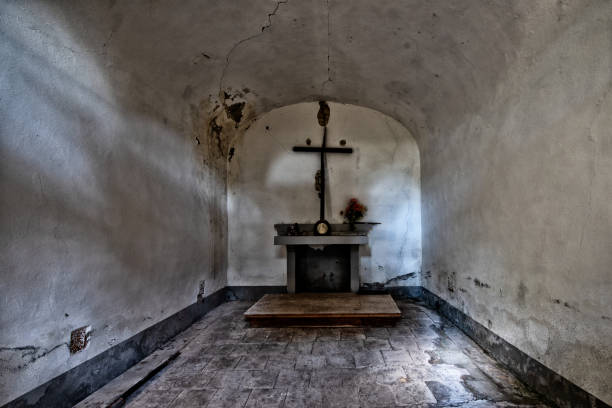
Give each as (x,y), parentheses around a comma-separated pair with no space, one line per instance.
(298,248)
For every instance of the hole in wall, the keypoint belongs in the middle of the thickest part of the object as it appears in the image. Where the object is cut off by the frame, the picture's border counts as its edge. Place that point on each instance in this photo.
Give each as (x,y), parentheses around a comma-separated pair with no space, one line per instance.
(79,339)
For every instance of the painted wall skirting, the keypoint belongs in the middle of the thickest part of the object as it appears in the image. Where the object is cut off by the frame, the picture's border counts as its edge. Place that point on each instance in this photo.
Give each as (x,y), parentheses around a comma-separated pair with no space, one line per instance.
(531,372)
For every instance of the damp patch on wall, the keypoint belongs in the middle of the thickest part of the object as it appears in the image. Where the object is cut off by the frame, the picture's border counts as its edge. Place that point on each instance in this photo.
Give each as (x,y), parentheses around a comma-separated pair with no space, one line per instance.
(201,290)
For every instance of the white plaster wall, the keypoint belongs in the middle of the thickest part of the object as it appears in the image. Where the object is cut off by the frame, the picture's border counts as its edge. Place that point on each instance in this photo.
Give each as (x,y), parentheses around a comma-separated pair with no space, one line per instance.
(269,183)
(517,204)
(108,216)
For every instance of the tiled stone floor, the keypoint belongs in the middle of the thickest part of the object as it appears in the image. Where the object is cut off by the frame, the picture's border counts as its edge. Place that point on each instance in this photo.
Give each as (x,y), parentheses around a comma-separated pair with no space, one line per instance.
(422,362)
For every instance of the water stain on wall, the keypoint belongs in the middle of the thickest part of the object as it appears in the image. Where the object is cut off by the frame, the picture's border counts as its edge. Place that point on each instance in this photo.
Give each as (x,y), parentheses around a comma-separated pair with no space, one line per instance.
(452,281)
(521,294)
(17,358)
(565,304)
(481,284)
(401,278)
(234,111)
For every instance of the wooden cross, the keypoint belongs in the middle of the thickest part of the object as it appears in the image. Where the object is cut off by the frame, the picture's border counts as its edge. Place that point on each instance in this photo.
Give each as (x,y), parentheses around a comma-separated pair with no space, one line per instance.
(323,149)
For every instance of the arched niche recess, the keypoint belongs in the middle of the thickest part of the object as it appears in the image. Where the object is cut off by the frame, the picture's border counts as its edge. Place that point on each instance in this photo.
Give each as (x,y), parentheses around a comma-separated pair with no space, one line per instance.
(269,183)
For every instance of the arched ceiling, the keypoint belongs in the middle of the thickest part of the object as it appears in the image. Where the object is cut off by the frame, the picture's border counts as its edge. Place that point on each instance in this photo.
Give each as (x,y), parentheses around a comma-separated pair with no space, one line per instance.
(421,62)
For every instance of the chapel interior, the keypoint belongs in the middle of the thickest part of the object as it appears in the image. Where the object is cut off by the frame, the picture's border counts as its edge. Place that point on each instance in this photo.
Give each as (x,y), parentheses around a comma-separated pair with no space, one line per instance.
(313,203)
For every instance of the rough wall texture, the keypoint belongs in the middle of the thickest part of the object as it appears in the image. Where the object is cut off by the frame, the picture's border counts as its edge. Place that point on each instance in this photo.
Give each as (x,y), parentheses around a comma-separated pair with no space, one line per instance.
(517,221)
(269,183)
(111,214)
(508,100)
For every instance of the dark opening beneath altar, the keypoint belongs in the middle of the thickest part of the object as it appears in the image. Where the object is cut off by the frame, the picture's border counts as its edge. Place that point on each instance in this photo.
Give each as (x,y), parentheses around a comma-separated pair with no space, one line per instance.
(326,269)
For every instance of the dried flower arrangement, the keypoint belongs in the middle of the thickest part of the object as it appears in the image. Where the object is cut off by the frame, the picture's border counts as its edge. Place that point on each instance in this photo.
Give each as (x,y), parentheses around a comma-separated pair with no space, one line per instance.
(354,211)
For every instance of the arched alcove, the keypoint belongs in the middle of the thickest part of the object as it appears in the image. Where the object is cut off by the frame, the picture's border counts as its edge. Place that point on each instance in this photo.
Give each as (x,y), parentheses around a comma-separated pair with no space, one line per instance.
(269,183)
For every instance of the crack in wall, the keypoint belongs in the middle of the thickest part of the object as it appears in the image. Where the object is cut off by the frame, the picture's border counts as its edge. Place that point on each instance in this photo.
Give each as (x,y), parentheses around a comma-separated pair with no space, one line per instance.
(117,21)
(29,354)
(251,37)
(328,45)
(329,79)
(396,141)
(278,3)
(403,246)
(594,153)
(405,276)
(380,286)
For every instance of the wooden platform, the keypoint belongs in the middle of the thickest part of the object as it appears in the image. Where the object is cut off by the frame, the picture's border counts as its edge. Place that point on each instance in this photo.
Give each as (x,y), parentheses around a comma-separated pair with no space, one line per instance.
(323,310)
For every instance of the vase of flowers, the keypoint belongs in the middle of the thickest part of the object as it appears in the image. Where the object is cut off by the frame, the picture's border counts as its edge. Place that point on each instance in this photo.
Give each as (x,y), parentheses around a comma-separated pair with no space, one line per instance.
(353,212)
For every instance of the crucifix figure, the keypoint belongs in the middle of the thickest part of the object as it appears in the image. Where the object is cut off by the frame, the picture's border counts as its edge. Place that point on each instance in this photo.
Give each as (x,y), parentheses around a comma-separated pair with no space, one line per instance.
(322,227)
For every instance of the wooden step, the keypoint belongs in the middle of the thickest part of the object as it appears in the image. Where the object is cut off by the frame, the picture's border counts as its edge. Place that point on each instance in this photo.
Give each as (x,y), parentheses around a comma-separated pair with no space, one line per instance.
(323,310)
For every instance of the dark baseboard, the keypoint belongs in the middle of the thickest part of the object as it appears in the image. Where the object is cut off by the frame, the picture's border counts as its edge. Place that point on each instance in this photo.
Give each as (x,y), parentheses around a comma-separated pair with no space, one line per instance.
(397,292)
(534,374)
(251,293)
(74,385)
(406,292)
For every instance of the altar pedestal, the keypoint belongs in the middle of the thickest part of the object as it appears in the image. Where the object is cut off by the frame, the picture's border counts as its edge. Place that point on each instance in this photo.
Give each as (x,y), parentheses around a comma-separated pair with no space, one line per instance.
(341,235)
(323,310)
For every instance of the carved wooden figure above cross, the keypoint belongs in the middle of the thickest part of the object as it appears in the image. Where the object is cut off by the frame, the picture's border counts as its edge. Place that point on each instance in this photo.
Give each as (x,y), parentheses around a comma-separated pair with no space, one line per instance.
(322,227)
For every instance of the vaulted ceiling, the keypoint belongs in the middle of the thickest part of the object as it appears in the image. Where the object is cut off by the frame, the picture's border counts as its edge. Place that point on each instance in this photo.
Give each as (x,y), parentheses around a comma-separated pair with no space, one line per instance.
(423,62)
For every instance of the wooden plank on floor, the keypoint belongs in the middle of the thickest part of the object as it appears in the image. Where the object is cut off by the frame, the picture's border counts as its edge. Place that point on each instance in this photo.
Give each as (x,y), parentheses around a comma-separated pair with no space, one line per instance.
(115,392)
(323,309)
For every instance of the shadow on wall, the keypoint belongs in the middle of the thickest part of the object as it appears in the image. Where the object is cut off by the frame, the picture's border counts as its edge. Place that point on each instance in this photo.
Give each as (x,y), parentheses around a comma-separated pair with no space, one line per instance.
(105,198)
